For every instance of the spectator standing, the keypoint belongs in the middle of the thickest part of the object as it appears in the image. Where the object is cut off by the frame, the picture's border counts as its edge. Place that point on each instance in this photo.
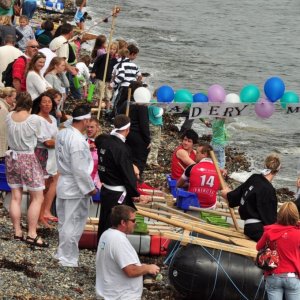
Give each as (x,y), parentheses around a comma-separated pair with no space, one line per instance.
(284,236)
(8,54)
(7,104)
(6,28)
(99,47)
(119,271)
(29,8)
(44,35)
(23,168)
(36,84)
(26,31)
(20,66)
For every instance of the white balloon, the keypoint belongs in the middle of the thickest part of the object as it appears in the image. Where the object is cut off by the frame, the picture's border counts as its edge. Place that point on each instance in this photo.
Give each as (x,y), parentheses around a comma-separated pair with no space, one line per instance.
(142,95)
(232,98)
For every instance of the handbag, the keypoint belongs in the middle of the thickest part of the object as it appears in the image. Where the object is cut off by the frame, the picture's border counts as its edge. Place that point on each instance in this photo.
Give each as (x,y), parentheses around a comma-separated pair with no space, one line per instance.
(267,259)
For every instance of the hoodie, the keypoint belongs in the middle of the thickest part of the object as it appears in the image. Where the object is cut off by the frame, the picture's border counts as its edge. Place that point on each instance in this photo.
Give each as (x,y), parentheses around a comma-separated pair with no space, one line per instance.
(288,247)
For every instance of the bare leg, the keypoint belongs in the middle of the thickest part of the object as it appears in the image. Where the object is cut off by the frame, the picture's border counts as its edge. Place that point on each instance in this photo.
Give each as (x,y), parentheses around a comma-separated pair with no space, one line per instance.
(34,212)
(15,210)
(49,196)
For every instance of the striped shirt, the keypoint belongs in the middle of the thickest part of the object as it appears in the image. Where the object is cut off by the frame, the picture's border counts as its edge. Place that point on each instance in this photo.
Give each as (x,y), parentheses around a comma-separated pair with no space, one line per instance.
(126,72)
(27,35)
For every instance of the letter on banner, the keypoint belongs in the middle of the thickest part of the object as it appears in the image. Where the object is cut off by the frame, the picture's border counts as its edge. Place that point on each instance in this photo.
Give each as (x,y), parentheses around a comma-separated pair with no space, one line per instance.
(293,109)
(228,110)
(176,108)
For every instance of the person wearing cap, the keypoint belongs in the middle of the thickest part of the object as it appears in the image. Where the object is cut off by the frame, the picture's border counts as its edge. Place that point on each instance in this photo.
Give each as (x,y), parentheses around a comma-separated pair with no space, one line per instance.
(256,198)
(155,123)
(75,185)
(116,171)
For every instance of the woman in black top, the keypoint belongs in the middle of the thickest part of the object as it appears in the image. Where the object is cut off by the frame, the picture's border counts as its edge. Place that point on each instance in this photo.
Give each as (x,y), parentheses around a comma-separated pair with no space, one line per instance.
(256,199)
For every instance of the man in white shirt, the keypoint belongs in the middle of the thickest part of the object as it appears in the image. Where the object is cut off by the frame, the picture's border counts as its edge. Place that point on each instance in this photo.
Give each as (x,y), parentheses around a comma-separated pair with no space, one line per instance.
(119,273)
(75,185)
(8,54)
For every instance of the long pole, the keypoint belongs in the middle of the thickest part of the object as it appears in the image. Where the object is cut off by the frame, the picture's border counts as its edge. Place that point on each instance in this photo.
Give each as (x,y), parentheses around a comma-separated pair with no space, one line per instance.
(223,185)
(116,10)
(128,101)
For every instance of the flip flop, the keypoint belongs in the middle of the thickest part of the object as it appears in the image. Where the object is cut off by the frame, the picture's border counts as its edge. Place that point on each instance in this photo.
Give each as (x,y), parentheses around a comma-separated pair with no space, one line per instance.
(34,242)
(52,219)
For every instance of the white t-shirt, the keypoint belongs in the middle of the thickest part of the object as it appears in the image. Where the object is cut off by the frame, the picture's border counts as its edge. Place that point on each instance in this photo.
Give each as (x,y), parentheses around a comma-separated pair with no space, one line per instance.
(49,56)
(115,253)
(60,46)
(8,54)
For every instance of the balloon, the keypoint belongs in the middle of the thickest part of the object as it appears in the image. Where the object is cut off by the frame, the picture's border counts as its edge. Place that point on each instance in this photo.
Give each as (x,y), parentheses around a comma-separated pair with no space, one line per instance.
(274,88)
(249,93)
(200,97)
(289,97)
(183,96)
(264,108)
(142,95)
(232,98)
(216,93)
(165,94)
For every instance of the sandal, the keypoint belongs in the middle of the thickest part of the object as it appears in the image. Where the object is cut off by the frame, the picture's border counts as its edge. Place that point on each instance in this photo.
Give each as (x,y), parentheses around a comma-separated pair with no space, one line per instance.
(19,238)
(34,242)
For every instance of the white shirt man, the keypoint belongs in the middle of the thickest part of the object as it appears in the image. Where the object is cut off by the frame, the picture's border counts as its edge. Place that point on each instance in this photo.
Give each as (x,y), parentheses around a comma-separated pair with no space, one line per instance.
(119,273)
(75,186)
(8,54)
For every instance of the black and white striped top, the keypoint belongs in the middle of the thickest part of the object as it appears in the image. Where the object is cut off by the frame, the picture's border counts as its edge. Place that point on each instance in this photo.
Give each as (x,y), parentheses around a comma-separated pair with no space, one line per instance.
(126,72)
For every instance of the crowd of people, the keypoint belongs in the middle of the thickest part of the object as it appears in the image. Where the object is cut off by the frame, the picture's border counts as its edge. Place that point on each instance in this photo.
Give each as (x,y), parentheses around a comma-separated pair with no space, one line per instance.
(38,71)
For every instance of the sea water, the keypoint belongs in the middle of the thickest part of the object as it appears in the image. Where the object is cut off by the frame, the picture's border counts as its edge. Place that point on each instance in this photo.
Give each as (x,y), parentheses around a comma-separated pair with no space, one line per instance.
(193,44)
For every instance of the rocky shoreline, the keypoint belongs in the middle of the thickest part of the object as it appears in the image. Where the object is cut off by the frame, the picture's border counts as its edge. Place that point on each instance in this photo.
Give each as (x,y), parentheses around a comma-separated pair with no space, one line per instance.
(28,273)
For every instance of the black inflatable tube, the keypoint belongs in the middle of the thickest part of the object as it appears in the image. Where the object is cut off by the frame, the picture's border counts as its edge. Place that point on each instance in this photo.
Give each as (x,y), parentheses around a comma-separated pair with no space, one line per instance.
(195,274)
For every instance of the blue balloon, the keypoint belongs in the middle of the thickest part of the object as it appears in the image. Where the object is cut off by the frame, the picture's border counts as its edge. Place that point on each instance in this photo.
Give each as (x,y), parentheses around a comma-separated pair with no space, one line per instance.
(165,94)
(274,88)
(199,97)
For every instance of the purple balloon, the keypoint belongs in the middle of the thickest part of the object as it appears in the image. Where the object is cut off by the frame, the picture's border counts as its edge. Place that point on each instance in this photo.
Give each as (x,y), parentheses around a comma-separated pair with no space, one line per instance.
(216,93)
(264,108)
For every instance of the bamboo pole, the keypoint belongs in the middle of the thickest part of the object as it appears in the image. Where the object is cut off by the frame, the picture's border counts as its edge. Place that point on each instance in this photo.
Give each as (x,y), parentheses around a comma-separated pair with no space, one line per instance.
(212,211)
(223,185)
(128,101)
(211,244)
(186,226)
(115,12)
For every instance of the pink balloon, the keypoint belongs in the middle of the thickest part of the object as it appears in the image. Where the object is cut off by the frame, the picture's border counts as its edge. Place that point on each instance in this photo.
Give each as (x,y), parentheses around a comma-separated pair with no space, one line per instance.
(216,93)
(264,108)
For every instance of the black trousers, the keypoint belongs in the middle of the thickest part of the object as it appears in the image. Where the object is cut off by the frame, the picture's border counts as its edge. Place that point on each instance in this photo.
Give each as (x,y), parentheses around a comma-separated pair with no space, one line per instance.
(254,231)
(109,199)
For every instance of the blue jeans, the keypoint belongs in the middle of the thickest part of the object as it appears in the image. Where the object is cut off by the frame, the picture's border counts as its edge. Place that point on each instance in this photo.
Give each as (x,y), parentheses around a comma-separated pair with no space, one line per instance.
(29,8)
(278,286)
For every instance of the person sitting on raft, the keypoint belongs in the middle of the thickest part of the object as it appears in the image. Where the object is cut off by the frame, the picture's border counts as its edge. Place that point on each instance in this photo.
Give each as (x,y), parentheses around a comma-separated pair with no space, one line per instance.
(184,155)
(203,178)
(256,199)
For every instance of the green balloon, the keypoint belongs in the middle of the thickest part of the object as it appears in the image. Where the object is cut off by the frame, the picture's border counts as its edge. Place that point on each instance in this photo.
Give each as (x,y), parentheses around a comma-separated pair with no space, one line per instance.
(249,94)
(183,96)
(289,97)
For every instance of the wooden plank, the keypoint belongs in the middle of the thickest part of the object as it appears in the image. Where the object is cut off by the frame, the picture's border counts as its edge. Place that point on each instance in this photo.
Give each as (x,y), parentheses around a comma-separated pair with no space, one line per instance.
(212,244)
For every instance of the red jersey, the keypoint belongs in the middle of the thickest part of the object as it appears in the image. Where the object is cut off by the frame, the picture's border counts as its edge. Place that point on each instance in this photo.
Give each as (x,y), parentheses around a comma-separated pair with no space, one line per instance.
(204,182)
(177,165)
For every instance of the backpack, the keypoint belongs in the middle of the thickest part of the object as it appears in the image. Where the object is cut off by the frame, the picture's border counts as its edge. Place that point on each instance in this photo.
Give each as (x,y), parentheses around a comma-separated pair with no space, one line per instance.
(5,4)
(7,77)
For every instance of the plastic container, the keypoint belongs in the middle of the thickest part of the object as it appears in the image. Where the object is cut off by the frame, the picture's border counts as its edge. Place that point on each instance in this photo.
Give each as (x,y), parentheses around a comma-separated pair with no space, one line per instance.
(186,199)
(159,245)
(91,92)
(3,182)
(76,82)
(141,243)
(97,198)
(172,185)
